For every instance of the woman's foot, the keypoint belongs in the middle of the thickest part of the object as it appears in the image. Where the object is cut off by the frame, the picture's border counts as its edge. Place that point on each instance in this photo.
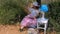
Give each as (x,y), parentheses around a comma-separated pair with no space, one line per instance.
(21,30)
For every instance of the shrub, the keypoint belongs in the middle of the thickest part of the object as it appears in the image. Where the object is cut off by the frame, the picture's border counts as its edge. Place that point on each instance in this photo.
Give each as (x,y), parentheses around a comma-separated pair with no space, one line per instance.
(8,10)
(54,15)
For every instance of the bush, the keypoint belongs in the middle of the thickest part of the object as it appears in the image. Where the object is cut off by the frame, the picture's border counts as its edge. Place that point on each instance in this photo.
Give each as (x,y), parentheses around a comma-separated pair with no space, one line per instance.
(9,9)
(54,15)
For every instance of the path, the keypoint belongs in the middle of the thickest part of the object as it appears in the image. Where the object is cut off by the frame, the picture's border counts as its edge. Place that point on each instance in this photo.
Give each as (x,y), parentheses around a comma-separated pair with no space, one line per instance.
(11,29)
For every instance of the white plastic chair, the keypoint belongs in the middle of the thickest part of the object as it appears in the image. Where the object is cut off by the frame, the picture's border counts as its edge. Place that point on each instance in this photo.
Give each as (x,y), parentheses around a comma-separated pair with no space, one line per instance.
(42,21)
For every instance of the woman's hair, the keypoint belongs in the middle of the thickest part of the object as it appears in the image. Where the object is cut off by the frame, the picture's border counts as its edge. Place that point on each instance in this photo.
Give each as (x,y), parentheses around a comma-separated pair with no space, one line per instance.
(28,6)
(36,7)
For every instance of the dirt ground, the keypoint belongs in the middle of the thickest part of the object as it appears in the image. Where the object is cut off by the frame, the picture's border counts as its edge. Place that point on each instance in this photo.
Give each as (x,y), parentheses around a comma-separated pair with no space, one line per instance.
(11,29)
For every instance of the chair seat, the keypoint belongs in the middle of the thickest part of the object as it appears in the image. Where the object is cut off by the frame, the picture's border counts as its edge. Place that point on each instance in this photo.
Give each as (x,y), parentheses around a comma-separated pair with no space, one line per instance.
(42,20)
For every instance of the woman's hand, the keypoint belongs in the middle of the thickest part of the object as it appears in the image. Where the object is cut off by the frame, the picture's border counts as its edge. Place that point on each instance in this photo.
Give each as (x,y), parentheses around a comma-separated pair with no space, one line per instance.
(34,18)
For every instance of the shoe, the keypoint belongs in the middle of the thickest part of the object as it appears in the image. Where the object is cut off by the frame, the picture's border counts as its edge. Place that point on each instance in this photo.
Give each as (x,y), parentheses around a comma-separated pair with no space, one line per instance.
(21,30)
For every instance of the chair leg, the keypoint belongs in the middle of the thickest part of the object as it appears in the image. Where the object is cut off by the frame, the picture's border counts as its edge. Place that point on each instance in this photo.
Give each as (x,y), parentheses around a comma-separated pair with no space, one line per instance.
(44,31)
(45,28)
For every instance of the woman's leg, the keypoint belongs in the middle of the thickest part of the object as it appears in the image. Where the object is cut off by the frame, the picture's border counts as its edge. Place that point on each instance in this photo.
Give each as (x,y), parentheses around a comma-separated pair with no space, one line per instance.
(24,23)
(21,28)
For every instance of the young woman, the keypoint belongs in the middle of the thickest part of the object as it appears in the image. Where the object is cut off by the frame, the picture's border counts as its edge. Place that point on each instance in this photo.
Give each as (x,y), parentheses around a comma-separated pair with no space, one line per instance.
(30,19)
